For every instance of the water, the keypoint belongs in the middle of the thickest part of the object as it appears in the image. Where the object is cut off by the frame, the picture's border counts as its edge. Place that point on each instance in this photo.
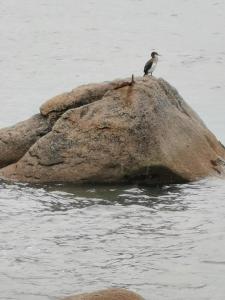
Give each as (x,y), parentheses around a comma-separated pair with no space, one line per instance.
(165,243)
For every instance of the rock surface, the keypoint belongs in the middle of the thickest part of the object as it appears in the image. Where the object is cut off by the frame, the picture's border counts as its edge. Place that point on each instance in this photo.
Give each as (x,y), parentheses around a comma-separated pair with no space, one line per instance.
(109,294)
(15,141)
(114,132)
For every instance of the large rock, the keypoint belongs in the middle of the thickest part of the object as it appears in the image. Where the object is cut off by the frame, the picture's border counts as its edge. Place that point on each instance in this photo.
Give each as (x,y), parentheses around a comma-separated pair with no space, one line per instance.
(116,132)
(108,294)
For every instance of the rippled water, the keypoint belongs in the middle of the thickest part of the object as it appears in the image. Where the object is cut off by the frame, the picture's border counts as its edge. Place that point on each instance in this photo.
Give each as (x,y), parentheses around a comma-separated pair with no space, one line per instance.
(165,243)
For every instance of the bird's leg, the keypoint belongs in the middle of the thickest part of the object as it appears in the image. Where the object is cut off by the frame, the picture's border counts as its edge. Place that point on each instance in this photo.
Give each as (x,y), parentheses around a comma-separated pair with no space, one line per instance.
(132,80)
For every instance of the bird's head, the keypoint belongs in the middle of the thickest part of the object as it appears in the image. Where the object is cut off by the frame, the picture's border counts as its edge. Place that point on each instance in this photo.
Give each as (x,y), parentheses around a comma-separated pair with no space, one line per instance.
(154,54)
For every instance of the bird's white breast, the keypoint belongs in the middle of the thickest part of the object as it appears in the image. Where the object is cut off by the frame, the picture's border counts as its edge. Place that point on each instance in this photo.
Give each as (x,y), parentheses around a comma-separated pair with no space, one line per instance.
(154,64)
(153,67)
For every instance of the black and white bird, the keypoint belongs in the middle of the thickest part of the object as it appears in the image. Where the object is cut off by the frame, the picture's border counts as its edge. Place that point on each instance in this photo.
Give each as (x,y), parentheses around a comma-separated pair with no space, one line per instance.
(151,64)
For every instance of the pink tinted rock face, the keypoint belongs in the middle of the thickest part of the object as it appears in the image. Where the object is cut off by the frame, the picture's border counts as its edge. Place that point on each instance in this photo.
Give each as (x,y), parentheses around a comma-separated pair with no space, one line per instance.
(115,132)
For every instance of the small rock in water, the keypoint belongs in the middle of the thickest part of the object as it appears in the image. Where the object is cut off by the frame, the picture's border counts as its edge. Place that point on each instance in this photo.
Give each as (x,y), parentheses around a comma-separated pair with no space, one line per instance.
(108,294)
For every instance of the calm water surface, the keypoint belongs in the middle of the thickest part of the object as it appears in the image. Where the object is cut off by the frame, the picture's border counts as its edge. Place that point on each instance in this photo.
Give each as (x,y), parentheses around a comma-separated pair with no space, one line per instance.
(165,243)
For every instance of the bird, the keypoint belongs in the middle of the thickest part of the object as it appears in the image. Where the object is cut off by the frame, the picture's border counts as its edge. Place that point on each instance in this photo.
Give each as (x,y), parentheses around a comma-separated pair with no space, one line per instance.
(151,64)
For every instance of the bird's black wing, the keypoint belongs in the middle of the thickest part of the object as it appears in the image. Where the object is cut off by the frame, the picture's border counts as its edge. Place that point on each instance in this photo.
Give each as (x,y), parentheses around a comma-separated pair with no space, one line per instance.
(148,66)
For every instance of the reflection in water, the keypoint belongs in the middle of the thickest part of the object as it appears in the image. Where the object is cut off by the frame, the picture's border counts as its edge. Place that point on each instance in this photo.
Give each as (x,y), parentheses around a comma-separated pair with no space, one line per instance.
(63,197)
